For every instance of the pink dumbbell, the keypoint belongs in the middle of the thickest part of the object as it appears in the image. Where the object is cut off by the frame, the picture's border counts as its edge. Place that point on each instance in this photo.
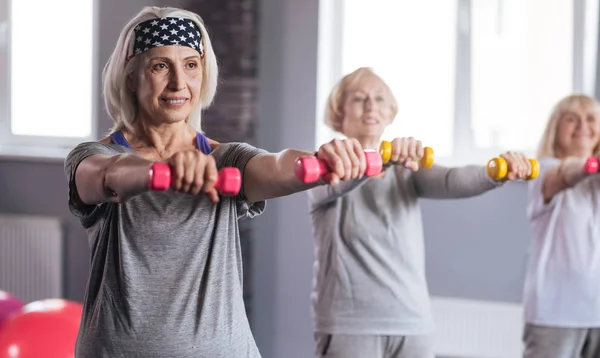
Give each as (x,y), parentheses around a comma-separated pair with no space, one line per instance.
(229,180)
(309,169)
(591,165)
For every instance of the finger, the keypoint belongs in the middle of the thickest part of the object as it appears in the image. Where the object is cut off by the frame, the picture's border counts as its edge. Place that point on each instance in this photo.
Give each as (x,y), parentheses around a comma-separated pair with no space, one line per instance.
(213,195)
(404,149)
(527,164)
(396,150)
(411,149)
(420,150)
(211,174)
(328,154)
(520,165)
(177,167)
(198,180)
(513,165)
(412,165)
(189,169)
(355,162)
(362,159)
(342,154)
(331,179)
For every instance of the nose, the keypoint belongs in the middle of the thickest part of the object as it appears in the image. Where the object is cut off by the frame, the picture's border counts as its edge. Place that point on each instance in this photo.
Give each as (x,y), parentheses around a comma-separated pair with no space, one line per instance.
(369,104)
(177,79)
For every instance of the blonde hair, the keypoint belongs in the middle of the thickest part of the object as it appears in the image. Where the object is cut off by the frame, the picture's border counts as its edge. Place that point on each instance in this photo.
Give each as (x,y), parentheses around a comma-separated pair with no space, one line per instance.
(121,103)
(547,146)
(334,113)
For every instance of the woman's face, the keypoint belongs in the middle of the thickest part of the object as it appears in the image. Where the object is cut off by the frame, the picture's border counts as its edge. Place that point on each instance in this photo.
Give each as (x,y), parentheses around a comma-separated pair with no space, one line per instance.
(168,83)
(367,109)
(578,131)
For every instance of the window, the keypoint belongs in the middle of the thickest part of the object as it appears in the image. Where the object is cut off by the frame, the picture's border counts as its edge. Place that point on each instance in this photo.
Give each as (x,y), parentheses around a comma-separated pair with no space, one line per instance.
(473,78)
(47,99)
(522,63)
(418,69)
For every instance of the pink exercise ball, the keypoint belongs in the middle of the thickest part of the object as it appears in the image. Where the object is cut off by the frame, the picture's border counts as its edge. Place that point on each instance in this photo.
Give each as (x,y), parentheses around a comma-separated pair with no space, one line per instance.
(9,305)
(46,328)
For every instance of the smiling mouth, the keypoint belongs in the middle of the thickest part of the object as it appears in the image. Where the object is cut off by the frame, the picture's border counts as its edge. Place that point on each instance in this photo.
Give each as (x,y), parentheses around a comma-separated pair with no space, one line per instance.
(174,100)
(370,121)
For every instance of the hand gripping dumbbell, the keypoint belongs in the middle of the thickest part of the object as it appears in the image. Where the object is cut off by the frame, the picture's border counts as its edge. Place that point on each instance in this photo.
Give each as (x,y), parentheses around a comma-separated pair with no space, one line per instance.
(497,168)
(309,169)
(229,179)
(385,150)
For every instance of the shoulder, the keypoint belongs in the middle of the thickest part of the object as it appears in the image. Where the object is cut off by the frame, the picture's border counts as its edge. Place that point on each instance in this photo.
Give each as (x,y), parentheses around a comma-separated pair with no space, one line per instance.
(86,149)
(106,140)
(214,145)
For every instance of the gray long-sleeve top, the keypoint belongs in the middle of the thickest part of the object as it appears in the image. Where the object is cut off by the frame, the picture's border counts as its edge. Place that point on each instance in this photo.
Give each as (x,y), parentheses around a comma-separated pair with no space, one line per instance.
(368,234)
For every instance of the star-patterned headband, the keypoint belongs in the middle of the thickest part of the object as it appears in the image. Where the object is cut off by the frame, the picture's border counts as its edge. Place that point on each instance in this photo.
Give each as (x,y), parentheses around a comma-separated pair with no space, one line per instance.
(167,31)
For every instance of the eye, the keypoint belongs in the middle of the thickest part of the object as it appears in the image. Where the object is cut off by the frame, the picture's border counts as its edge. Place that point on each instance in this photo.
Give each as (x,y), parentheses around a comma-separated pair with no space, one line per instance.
(379,99)
(159,66)
(358,99)
(192,65)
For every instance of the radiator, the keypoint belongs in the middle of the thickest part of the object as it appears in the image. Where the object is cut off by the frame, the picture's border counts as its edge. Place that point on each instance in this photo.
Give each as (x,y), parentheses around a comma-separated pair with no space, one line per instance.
(31,257)
(477,329)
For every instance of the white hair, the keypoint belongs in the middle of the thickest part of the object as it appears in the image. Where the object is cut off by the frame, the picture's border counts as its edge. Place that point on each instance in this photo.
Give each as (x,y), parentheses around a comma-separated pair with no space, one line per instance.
(121,103)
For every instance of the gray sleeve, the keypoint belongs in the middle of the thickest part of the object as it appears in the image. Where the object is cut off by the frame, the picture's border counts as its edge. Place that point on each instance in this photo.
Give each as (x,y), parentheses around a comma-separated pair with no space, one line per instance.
(237,155)
(85,213)
(440,182)
(325,194)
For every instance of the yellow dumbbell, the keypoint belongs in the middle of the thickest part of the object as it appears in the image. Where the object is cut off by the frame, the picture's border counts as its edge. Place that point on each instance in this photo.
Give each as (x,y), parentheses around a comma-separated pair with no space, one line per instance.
(385,149)
(497,168)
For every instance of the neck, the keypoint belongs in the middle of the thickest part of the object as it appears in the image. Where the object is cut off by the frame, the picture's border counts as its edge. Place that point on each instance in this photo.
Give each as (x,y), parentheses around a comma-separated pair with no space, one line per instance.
(165,138)
(369,142)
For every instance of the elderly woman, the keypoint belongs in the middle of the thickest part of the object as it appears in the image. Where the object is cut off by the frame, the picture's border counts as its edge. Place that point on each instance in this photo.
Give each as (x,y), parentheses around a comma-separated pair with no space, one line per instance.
(166,271)
(370,296)
(562,292)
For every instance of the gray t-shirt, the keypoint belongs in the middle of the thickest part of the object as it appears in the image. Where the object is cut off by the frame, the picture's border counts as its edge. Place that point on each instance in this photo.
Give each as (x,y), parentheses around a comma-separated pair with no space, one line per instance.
(166,269)
(369,250)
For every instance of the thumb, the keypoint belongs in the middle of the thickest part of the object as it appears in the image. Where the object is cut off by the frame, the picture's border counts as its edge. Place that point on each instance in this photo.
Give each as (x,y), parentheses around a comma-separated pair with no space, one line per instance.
(331,179)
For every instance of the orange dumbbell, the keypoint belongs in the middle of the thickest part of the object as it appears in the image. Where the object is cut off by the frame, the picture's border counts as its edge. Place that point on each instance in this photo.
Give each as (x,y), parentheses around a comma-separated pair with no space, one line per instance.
(385,149)
(497,168)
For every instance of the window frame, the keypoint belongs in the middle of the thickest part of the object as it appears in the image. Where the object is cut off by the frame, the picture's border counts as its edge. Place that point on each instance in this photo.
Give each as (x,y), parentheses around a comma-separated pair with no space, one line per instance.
(14,146)
(464,150)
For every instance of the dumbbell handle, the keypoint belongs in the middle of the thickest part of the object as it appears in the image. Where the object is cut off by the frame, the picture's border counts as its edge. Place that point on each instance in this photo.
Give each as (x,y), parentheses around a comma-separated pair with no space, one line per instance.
(497,168)
(229,179)
(309,169)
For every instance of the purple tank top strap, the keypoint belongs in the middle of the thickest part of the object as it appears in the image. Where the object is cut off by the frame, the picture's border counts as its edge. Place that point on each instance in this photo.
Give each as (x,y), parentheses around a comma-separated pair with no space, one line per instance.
(119,139)
(203,144)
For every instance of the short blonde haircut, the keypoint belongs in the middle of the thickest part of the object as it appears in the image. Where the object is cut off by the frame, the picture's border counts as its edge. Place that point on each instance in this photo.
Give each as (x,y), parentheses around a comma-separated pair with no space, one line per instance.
(334,113)
(121,103)
(547,147)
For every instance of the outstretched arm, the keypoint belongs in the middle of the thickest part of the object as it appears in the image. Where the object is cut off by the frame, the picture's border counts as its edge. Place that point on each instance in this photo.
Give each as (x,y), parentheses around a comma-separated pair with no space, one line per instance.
(441,182)
(271,175)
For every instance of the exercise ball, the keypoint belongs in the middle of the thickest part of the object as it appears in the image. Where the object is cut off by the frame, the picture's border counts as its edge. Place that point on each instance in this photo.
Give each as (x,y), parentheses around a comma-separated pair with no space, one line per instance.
(46,328)
(9,305)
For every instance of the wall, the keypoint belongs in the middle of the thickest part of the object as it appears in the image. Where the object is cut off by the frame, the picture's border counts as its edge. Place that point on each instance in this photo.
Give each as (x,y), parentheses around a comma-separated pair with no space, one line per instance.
(39,186)
(476,248)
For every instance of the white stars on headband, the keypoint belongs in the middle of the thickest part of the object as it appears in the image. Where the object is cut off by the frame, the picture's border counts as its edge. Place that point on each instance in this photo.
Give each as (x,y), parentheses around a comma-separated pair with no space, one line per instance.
(167,31)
